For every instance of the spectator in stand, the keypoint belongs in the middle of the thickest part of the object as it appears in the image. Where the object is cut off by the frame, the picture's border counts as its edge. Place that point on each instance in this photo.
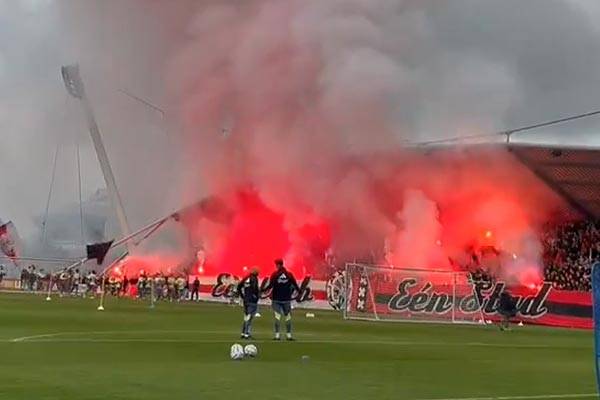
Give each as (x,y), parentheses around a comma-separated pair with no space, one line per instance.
(32,275)
(171,288)
(2,273)
(141,285)
(180,285)
(42,284)
(185,287)
(160,286)
(76,282)
(125,285)
(63,282)
(24,278)
(479,275)
(91,283)
(157,286)
(195,289)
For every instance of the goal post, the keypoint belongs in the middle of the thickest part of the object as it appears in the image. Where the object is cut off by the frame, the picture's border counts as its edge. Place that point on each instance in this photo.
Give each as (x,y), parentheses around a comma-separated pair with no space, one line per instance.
(379,293)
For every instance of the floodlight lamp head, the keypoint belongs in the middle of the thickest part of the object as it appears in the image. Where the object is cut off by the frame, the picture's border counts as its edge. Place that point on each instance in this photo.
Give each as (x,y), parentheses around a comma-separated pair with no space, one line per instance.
(72,80)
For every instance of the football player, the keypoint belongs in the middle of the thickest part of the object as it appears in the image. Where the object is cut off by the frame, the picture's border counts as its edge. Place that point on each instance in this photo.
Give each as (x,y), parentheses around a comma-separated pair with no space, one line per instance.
(283,284)
(249,292)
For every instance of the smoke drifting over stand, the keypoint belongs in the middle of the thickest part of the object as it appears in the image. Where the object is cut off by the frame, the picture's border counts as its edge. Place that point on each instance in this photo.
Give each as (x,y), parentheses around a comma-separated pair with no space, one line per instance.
(297,110)
(303,109)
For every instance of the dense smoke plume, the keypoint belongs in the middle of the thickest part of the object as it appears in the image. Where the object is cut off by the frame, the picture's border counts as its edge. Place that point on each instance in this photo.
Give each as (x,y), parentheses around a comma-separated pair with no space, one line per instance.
(303,108)
(296,103)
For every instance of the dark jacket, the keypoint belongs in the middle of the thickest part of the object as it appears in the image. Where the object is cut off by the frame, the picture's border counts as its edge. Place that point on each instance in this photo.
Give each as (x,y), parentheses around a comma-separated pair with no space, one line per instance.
(248,289)
(283,284)
(507,303)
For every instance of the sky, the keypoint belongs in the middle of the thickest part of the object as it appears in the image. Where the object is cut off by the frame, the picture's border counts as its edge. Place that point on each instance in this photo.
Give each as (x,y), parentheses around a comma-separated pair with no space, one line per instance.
(457,68)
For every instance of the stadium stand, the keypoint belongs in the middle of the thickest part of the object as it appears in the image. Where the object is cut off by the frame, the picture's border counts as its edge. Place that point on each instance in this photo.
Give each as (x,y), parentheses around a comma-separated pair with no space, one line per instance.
(570,249)
(569,252)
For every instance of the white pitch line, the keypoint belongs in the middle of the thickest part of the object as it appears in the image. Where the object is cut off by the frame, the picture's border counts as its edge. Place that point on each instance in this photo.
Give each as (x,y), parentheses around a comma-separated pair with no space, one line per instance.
(532,397)
(34,338)
(49,336)
(90,340)
(54,338)
(23,338)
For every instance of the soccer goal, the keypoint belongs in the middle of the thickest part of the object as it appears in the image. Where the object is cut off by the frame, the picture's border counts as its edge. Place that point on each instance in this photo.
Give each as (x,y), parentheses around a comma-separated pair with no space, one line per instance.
(379,293)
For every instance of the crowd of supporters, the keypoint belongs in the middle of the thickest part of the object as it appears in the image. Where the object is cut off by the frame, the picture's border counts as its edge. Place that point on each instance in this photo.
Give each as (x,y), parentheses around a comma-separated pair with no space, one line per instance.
(72,282)
(66,282)
(167,287)
(570,250)
(32,278)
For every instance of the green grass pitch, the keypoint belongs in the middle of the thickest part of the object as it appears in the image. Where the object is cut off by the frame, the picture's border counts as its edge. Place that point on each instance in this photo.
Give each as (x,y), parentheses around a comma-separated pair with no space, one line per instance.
(64,349)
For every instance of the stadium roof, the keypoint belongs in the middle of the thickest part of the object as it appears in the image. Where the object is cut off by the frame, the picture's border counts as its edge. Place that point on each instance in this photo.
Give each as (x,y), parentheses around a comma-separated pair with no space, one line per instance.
(573,173)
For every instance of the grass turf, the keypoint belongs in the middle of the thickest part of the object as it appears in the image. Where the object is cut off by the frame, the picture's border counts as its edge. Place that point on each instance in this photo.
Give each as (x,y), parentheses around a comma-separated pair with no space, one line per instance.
(181,351)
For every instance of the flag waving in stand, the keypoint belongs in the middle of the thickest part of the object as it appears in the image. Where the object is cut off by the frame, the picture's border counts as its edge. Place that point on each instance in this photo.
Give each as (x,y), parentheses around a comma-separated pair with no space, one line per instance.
(98,251)
(8,241)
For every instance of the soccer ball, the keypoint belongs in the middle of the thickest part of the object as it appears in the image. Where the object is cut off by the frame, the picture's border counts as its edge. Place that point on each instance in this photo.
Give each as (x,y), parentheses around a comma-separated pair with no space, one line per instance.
(236,352)
(250,350)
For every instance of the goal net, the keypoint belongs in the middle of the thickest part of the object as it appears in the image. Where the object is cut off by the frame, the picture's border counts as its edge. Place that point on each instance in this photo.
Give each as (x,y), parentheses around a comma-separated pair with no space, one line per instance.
(396,294)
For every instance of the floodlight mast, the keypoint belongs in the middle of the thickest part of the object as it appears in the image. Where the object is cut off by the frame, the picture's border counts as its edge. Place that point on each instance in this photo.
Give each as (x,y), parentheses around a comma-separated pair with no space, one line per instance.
(75,88)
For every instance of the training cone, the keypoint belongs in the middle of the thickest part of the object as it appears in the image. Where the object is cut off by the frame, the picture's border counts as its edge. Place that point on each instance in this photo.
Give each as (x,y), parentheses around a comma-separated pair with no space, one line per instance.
(257,315)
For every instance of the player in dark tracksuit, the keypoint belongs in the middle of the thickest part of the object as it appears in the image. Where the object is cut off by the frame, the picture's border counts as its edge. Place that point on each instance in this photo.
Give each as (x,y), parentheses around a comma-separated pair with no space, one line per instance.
(283,284)
(249,291)
(507,307)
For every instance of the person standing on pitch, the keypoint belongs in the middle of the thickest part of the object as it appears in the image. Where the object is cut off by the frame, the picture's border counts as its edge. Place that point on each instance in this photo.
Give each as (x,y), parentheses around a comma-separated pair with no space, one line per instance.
(283,284)
(250,293)
(507,308)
